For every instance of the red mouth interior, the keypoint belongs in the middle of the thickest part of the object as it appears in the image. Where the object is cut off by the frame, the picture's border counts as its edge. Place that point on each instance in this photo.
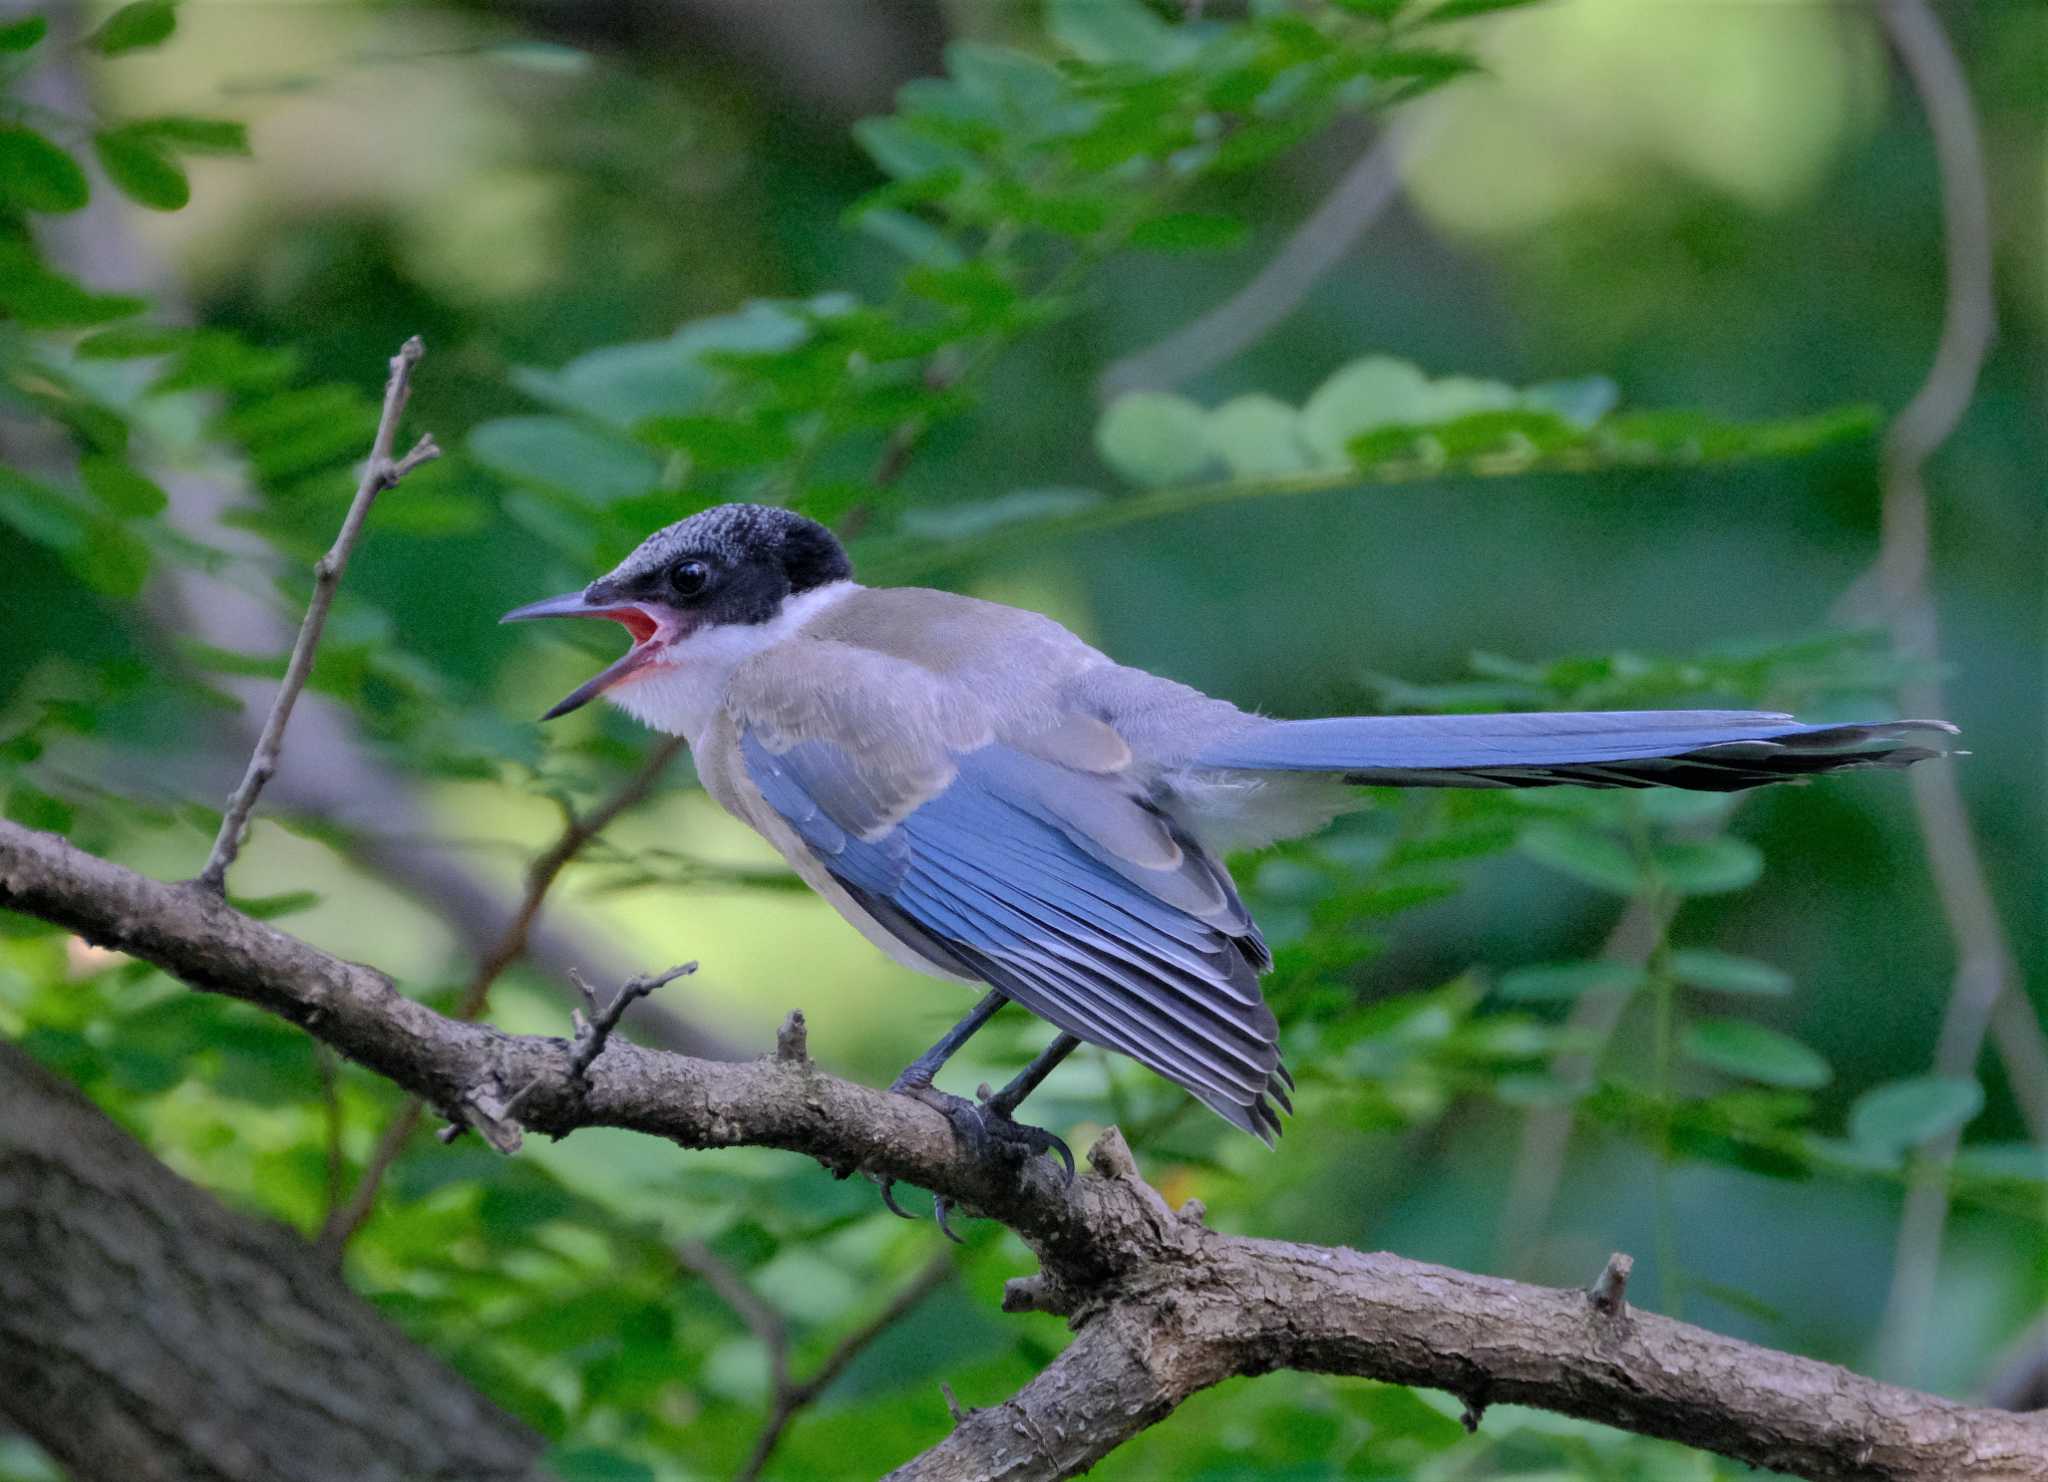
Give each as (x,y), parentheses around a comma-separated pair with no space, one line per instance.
(636,622)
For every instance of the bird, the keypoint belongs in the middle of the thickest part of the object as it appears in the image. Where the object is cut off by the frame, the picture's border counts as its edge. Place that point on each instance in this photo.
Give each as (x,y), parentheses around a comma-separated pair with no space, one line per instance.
(988,798)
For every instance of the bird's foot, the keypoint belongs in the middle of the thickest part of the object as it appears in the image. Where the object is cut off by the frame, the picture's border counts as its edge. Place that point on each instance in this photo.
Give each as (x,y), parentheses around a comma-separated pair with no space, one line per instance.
(986,1128)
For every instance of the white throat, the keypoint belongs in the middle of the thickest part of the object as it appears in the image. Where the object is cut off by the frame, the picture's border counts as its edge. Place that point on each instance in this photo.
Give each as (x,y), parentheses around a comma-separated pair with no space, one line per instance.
(681,691)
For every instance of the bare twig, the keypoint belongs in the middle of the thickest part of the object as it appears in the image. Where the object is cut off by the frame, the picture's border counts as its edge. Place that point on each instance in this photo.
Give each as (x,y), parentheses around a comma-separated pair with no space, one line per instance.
(379,474)
(343,1222)
(577,832)
(332,776)
(1985,967)
(1164,1306)
(594,1027)
(1547,1130)
(792,1396)
(1357,200)
(761,1319)
(1609,1291)
(793,1039)
(787,1395)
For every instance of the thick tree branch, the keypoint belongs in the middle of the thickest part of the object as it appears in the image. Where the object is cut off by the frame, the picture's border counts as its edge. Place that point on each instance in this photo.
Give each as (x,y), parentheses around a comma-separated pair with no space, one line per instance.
(149,1333)
(1162,1305)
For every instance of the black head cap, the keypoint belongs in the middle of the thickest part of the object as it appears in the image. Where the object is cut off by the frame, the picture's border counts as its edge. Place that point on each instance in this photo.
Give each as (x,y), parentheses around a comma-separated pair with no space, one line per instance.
(736,563)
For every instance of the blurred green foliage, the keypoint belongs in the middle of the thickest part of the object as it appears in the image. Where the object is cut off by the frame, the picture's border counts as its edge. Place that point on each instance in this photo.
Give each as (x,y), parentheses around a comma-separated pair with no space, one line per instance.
(902,339)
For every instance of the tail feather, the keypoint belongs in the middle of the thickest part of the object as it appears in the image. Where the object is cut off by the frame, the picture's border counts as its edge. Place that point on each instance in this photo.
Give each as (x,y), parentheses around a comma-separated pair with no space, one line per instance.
(1706,750)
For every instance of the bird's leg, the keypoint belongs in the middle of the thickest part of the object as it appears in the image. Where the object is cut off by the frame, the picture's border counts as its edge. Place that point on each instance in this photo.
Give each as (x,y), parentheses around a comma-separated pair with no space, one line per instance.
(917,1076)
(916,1082)
(986,1126)
(1004,1103)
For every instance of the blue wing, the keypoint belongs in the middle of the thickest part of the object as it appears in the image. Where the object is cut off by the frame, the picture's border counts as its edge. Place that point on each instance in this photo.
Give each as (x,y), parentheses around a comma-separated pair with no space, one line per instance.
(1071,896)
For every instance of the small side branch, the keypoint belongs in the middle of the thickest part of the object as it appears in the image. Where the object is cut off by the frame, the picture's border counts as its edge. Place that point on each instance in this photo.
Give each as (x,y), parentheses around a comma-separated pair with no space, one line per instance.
(1609,1291)
(792,1396)
(577,832)
(379,474)
(793,1040)
(593,1031)
(1318,244)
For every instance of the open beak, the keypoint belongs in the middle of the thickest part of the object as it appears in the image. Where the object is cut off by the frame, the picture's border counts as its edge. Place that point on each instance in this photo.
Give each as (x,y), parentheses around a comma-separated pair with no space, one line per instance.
(652,627)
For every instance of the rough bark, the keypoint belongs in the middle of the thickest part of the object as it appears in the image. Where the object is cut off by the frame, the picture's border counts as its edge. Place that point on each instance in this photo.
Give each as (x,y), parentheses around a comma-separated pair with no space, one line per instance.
(147,1332)
(1162,1306)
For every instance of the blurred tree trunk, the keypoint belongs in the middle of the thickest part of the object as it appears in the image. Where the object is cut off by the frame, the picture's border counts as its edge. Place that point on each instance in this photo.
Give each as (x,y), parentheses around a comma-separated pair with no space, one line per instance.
(147,1332)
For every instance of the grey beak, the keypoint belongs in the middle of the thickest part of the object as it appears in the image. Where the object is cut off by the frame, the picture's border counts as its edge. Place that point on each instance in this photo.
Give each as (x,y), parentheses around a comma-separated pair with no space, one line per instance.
(576,604)
(569,604)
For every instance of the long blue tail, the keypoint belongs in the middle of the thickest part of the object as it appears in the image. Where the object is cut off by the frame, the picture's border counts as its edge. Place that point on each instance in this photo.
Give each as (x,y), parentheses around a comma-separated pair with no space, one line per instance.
(1706,750)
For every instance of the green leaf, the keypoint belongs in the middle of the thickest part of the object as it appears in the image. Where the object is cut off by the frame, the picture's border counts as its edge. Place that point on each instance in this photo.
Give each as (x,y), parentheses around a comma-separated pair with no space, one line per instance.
(1581,401)
(1723,972)
(913,236)
(1190,231)
(587,1464)
(907,153)
(193,135)
(1586,856)
(232,661)
(621,384)
(1552,982)
(133,27)
(271,907)
(20,35)
(1024,88)
(130,342)
(1117,31)
(1903,1114)
(41,514)
(1755,1053)
(38,176)
(32,808)
(1257,436)
(1458,10)
(114,560)
(963,522)
(120,488)
(141,170)
(217,358)
(1709,866)
(1154,437)
(718,442)
(1535,1089)
(1369,393)
(563,455)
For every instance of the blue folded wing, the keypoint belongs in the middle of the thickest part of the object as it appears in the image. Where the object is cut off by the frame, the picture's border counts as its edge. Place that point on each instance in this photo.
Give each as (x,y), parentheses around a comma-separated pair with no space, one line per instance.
(1713,750)
(1013,872)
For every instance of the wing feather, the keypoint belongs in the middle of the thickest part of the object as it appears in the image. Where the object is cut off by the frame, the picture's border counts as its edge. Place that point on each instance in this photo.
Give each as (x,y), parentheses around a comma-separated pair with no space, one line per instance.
(1058,885)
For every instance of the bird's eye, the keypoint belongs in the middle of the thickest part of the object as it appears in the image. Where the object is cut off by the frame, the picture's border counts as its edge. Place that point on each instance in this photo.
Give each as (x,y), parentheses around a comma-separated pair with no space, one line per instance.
(689,578)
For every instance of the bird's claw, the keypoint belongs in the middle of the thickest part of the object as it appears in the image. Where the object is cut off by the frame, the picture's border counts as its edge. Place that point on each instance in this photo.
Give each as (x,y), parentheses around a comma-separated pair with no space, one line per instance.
(988,1131)
(889,1200)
